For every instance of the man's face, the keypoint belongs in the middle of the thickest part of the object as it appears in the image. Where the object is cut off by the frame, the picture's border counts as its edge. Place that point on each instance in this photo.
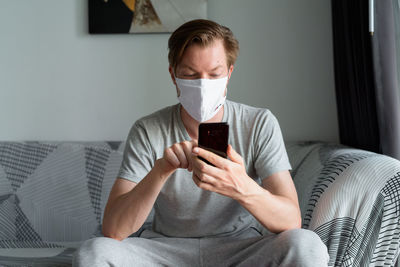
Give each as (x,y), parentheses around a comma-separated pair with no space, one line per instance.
(203,63)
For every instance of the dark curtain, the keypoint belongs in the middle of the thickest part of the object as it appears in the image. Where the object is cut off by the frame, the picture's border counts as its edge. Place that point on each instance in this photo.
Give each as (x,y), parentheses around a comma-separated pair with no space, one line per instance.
(386,76)
(366,77)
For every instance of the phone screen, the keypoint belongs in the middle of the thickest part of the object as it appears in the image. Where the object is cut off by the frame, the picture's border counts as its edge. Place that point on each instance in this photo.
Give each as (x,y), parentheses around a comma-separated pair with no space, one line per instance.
(214,137)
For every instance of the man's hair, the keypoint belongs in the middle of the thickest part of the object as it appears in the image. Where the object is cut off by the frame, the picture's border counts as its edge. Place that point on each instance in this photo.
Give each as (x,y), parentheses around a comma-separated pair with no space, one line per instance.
(201,32)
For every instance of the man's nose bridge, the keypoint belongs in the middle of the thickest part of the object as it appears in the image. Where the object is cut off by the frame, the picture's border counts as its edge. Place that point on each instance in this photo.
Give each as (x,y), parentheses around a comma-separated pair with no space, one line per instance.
(204,75)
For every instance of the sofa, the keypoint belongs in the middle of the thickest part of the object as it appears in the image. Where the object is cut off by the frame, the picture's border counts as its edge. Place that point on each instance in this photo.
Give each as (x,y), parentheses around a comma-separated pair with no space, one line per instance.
(53,194)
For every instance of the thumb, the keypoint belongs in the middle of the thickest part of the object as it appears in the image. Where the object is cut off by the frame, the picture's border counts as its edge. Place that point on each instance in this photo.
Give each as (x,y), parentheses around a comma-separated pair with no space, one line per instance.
(234,156)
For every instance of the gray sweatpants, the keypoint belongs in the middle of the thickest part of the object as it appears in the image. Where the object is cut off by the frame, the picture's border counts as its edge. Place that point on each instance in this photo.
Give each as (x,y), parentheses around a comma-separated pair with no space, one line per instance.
(298,247)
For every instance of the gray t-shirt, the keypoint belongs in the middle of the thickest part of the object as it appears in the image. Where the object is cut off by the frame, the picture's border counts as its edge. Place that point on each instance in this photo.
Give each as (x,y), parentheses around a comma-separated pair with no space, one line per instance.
(182,209)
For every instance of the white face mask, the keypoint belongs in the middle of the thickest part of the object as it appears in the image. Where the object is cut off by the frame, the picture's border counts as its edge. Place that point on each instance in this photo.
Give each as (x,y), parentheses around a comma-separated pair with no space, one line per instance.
(202,98)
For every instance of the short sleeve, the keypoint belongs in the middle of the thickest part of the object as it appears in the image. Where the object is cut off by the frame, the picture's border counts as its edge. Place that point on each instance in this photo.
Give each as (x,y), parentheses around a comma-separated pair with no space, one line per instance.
(138,156)
(270,151)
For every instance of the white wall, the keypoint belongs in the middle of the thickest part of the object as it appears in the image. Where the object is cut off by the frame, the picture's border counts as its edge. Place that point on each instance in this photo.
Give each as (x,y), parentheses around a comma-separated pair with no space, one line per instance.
(57,82)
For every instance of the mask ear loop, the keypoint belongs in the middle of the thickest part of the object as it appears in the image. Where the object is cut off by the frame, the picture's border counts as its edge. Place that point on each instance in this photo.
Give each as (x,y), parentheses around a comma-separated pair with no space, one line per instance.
(227,81)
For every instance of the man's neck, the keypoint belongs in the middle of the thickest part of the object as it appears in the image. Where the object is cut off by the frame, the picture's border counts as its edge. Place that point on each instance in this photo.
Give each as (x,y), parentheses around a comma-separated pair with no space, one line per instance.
(192,126)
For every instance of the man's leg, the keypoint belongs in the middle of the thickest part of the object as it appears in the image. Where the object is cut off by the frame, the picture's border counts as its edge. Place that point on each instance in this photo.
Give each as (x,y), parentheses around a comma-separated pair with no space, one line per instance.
(297,247)
(138,251)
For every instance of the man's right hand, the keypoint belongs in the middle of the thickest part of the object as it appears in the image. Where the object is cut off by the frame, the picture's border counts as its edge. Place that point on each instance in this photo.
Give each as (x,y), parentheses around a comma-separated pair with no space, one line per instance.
(178,156)
(139,199)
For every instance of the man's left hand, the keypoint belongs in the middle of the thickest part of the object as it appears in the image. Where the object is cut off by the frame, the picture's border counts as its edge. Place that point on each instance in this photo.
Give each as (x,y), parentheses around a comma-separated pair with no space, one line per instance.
(228,177)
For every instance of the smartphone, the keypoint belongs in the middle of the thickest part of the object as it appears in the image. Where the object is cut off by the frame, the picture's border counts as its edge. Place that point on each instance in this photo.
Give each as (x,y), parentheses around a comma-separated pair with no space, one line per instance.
(214,137)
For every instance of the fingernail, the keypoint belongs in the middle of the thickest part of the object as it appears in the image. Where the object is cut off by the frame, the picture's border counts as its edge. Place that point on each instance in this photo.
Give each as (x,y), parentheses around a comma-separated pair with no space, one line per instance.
(196,150)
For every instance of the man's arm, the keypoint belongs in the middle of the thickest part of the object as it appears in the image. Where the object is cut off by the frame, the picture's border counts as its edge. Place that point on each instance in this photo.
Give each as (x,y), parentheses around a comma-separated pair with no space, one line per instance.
(129,203)
(274,205)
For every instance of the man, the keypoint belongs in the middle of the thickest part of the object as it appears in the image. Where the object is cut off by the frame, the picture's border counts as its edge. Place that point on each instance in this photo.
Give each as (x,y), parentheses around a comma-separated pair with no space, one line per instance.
(204,215)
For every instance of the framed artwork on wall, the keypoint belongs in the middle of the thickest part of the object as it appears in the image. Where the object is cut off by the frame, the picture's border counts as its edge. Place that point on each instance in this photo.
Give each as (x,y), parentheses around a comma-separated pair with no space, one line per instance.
(143,16)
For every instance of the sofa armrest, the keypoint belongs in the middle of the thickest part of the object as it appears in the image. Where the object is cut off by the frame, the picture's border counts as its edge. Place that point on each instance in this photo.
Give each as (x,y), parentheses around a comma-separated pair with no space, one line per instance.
(351,199)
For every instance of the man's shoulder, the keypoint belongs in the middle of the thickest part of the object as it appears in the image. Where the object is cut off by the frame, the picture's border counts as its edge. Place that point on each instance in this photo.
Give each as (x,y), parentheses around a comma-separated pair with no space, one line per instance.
(240,109)
(159,117)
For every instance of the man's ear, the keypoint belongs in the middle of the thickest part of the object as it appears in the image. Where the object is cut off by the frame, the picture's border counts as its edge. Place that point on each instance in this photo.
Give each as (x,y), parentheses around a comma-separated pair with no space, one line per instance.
(229,76)
(230,70)
(171,72)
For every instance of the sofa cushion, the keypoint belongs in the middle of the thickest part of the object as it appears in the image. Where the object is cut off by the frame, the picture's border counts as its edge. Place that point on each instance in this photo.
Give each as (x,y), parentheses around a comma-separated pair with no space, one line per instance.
(54,192)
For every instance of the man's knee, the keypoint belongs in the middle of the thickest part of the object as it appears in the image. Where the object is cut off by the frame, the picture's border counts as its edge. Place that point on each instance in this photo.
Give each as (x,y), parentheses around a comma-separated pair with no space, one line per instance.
(96,250)
(305,247)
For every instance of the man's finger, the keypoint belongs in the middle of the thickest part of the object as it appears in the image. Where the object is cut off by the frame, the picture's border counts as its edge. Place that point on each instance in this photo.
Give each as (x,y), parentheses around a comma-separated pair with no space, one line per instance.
(180,154)
(209,156)
(203,177)
(200,184)
(172,158)
(187,148)
(233,155)
(200,166)
(194,142)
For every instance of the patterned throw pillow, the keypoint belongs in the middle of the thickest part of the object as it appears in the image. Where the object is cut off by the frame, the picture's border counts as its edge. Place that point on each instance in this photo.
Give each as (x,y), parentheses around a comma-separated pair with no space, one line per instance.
(54,191)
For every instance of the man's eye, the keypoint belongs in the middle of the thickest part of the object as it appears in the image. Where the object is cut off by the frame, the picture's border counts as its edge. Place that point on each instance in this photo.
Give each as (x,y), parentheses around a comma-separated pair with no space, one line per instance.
(188,75)
(214,75)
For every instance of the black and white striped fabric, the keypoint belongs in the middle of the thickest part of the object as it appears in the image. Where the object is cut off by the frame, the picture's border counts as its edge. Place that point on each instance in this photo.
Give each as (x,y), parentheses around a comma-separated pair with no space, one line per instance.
(351,199)
(53,194)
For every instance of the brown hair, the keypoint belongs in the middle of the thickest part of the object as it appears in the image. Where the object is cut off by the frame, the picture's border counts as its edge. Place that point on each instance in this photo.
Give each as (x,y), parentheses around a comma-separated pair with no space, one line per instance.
(202,32)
